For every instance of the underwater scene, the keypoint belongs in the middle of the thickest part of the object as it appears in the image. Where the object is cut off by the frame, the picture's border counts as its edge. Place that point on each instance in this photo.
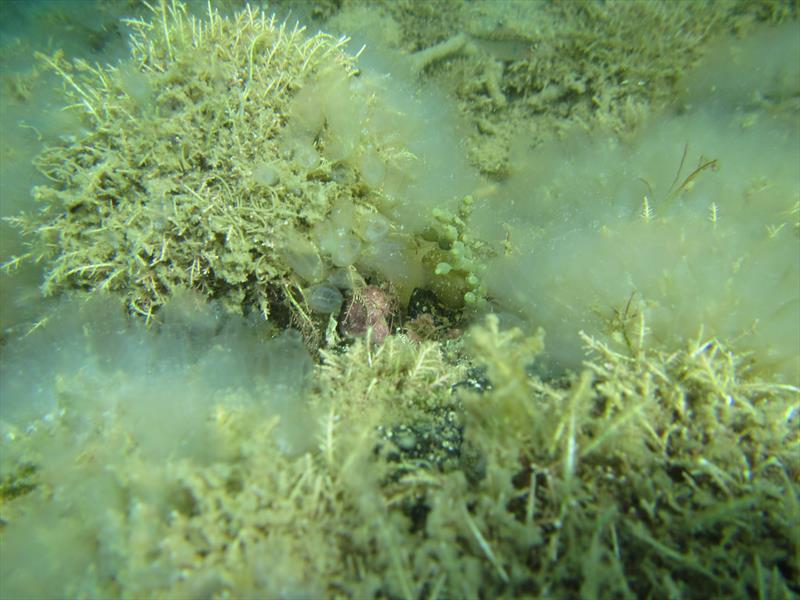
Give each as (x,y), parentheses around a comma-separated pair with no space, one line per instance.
(399,299)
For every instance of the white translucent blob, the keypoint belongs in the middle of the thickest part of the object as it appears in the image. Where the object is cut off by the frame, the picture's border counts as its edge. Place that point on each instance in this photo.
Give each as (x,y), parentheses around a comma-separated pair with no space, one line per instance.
(324,298)
(374,227)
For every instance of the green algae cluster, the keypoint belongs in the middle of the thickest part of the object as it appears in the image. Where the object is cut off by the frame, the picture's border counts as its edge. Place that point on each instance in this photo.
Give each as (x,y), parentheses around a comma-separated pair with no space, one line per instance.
(233,156)
(162,188)
(647,474)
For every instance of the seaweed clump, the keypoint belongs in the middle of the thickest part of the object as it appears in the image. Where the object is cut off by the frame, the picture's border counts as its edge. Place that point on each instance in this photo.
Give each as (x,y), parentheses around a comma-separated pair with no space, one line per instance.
(648,474)
(165,187)
(235,156)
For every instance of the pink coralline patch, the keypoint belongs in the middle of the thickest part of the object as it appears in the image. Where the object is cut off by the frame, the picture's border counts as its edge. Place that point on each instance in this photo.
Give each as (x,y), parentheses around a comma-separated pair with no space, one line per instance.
(365,308)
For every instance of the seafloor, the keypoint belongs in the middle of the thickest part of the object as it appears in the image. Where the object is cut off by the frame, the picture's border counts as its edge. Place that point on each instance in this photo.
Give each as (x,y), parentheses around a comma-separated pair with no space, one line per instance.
(399,299)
